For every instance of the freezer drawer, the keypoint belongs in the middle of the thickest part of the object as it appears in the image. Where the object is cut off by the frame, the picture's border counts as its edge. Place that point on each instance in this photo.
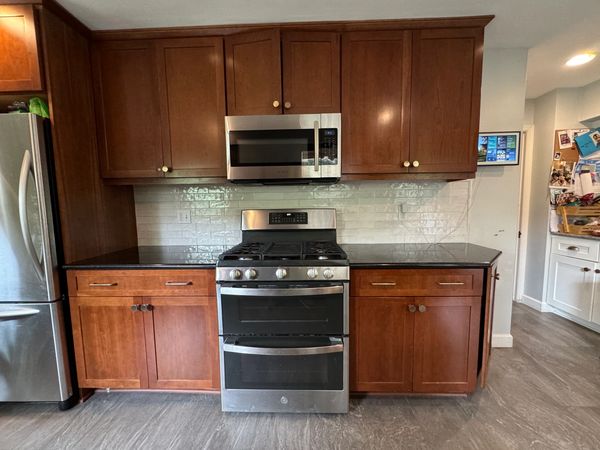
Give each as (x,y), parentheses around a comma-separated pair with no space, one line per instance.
(33,359)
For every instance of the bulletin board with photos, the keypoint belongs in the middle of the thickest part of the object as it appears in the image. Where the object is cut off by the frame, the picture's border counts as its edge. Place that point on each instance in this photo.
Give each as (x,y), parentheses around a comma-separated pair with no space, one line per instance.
(574,182)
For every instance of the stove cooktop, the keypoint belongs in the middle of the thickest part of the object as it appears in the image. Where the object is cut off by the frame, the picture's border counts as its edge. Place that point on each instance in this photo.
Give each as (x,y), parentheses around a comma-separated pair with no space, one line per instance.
(262,253)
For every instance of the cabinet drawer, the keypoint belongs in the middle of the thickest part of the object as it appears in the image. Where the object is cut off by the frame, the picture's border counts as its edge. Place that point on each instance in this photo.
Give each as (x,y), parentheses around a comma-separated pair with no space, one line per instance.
(416,282)
(118,283)
(576,248)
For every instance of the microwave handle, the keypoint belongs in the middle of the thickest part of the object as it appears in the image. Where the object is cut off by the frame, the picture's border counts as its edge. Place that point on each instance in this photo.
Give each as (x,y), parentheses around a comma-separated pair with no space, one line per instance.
(317,145)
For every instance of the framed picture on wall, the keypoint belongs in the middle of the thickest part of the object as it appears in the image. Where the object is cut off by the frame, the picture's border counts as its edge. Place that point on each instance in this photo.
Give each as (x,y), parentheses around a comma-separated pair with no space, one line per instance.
(499,148)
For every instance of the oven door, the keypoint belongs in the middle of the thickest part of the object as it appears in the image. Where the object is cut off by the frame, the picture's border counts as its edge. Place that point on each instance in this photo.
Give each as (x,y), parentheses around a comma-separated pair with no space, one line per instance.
(289,374)
(301,309)
(302,146)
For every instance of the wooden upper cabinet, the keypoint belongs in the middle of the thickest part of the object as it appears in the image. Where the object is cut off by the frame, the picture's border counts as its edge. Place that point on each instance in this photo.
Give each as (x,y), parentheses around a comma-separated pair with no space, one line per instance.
(375,101)
(109,342)
(254,73)
(130,139)
(446,344)
(182,342)
(445,97)
(311,72)
(19,60)
(192,92)
(381,334)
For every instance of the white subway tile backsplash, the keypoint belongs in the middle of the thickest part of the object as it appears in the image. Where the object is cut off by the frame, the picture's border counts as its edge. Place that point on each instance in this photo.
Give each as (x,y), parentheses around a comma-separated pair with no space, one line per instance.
(367,212)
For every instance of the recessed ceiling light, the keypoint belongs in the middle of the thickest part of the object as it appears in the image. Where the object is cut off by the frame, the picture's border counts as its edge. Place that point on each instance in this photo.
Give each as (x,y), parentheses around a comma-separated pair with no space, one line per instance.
(582,58)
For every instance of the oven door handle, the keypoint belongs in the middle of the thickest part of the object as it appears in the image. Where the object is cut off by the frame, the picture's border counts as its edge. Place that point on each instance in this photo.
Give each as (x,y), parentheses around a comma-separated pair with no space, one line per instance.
(275,292)
(293,351)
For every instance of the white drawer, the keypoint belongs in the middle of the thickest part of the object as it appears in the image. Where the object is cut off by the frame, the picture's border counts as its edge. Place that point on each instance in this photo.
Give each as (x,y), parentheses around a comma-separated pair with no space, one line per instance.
(587,249)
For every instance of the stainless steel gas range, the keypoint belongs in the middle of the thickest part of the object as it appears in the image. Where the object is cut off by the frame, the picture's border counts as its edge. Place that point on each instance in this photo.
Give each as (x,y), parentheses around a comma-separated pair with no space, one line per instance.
(283,314)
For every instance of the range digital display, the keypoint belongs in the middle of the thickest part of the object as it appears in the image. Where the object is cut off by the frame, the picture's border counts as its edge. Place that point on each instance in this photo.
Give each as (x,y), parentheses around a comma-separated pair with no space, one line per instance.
(499,149)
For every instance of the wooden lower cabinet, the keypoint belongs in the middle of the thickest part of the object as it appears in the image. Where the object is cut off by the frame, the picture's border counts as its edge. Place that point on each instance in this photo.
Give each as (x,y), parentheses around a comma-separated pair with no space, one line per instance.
(414,344)
(109,342)
(146,342)
(381,362)
(446,343)
(182,336)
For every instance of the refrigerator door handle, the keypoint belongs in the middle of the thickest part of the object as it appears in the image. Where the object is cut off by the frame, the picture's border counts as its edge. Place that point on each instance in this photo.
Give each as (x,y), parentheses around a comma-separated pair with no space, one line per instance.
(26,169)
(17,313)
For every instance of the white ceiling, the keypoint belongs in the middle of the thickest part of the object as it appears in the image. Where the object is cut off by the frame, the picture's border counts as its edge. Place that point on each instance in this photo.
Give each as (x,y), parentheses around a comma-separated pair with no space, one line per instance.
(552,29)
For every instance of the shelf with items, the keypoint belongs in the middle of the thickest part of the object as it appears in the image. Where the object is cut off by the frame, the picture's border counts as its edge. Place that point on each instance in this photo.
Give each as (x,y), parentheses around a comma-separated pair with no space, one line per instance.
(574,185)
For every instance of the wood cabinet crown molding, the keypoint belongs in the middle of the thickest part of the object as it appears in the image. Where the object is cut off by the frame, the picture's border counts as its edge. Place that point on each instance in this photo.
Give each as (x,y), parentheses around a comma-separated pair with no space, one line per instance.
(339,26)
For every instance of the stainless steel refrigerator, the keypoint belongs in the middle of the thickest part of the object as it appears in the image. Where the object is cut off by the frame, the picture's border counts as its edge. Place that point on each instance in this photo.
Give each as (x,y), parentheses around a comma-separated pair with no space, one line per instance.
(33,353)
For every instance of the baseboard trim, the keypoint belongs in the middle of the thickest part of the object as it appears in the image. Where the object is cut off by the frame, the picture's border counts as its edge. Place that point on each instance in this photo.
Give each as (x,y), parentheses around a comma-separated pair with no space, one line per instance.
(534,303)
(502,340)
(584,323)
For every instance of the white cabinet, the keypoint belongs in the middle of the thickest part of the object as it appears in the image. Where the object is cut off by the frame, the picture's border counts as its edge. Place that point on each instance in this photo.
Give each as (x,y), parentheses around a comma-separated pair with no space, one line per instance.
(574,279)
(571,285)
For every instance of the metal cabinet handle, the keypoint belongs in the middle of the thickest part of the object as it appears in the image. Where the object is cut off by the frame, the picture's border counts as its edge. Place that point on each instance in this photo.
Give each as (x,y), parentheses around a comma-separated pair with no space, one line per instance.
(276,103)
(103,284)
(146,307)
(597,271)
(178,283)
(134,308)
(586,269)
(164,169)
(416,163)
(412,308)
(317,146)
(287,105)
(496,276)
(451,283)
(383,283)
(422,308)
(406,163)
(573,248)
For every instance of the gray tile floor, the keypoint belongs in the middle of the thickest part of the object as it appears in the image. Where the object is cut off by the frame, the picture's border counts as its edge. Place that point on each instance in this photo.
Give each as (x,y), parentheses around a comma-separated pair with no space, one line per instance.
(544,393)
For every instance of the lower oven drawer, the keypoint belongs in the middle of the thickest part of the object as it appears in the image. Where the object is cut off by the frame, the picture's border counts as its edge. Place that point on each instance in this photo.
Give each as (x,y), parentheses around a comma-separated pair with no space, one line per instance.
(289,374)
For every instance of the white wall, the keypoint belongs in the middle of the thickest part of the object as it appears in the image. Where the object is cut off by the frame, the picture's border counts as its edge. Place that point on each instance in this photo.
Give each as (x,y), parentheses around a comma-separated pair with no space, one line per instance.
(494,212)
(589,106)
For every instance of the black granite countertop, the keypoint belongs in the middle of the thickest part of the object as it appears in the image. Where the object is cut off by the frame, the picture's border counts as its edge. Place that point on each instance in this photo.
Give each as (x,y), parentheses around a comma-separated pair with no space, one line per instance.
(360,255)
(420,255)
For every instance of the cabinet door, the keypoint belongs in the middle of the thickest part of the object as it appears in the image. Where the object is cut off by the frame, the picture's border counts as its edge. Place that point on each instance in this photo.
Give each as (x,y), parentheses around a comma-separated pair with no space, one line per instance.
(130,140)
(311,72)
(109,342)
(570,285)
(253,73)
(596,298)
(381,344)
(446,344)
(192,91)
(19,60)
(182,343)
(375,101)
(445,94)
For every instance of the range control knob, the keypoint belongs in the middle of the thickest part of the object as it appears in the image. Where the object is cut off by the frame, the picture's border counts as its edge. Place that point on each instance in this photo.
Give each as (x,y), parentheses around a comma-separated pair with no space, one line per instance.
(250,274)
(328,273)
(312,273)
(235,274)
(281,273)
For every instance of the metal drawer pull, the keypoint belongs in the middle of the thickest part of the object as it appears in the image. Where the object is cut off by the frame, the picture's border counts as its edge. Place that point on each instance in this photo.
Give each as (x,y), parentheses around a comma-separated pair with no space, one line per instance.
(178,283)
(422,308)
(146,307)
(412,308)
(268,292)
(451,283)
(103,284)
(294,351)
(586,269)
(573,248)
(384,283)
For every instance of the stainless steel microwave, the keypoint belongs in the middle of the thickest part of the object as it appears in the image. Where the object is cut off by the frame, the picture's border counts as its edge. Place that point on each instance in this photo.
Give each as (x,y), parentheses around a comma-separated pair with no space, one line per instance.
(283,148)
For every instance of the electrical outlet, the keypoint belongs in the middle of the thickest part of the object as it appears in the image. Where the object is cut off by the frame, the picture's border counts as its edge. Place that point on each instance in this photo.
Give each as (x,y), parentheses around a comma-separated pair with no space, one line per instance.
(183,216)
